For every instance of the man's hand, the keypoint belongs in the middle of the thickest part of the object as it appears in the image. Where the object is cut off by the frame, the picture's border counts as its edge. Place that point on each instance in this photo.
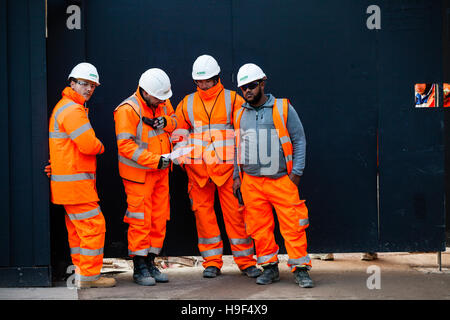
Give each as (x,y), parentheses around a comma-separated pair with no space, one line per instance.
(236,186)
(294,178)
(48,169)
(155,123)
(159,123)
(163,163)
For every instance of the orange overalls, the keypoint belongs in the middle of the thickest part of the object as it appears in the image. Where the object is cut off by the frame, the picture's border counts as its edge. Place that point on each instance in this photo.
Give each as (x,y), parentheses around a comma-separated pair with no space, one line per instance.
(209,115)
(73,150)
(261,194)
(147,188)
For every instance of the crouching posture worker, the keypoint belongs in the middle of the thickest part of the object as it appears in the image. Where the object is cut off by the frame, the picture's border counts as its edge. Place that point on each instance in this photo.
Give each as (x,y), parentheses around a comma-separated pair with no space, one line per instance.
(143,123)
(73,149)
(271,145)
(208,115)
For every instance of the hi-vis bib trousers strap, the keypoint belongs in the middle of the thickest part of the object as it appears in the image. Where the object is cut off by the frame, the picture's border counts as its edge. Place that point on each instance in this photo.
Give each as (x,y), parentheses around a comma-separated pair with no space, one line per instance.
(209,239)
(86,230)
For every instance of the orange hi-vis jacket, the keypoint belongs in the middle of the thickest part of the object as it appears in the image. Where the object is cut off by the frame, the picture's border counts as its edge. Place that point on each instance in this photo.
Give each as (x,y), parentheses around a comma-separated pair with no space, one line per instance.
(208,115)
(279,115)
(73,150)
(139,145)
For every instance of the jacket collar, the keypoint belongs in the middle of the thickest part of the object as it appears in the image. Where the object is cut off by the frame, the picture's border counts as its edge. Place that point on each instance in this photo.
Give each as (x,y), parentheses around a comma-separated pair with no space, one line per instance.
(141,100)
(268,104)
(71,94)
(211,93)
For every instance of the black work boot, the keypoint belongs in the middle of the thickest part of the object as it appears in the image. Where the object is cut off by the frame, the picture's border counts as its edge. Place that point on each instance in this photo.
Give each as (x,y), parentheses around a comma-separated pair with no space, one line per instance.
(252,272)
(269,275)
(211,272)
(302,277)
(153,269)
(141,275)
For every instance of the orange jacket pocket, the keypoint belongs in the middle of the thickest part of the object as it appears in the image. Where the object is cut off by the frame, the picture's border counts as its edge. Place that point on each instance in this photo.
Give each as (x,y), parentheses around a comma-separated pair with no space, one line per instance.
(301,212)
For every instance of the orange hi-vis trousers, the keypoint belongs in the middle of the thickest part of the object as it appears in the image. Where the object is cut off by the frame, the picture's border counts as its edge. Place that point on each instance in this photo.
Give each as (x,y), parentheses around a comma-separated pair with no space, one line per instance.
(261,195)
(86,231)
(147,213)
(210,242)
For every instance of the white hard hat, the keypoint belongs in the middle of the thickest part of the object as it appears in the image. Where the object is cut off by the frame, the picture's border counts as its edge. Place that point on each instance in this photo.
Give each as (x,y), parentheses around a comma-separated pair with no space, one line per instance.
(85,71)
(249,72)
(156,83)
(205,67)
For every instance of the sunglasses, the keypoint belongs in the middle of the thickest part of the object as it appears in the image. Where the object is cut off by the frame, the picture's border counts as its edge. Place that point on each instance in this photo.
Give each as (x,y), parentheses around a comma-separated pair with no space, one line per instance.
(85,83)
(251,85)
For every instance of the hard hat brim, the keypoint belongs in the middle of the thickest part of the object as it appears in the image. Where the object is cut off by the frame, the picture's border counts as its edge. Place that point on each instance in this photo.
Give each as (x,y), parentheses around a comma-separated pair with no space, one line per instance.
(205,77)
(246,81)
(164,96)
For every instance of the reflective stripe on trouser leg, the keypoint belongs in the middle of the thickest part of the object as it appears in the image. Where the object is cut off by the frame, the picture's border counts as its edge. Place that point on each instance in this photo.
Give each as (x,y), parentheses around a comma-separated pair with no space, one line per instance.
(209,241)
(86,239)
(241,243)
(259,219)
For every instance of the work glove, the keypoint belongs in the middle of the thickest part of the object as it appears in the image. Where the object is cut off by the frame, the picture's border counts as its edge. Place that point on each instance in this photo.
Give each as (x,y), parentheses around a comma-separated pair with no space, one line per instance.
(163,163)
(160,123)
(155,123)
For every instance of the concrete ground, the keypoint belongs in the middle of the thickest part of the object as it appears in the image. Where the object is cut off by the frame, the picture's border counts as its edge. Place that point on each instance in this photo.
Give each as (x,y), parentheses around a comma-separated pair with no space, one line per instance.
(393,276)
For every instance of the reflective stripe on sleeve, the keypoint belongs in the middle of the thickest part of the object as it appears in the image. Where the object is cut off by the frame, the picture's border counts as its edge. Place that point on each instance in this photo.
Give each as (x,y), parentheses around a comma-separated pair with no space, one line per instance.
(58,135)
(55,117)
(137,153)
(76,133)
(131,163)
(125,136)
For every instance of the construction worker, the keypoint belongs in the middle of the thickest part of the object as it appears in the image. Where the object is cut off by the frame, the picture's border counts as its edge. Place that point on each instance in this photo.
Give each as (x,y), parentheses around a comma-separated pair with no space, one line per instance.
(73,150)
(207,114)
(271,144)
(143,124)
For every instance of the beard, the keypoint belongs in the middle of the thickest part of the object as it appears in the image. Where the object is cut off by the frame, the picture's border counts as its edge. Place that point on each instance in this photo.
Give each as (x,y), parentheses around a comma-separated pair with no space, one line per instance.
(255,98)
(149,103)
